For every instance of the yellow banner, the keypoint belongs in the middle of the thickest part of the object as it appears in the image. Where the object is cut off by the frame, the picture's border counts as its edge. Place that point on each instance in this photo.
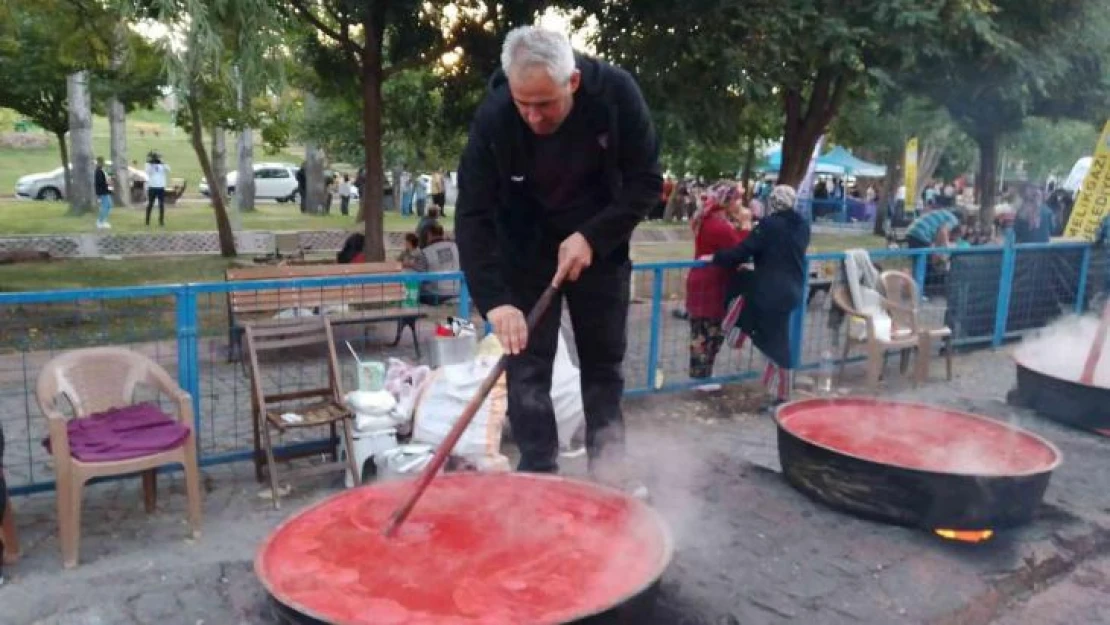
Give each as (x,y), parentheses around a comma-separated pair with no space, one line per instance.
(1094,197)
(909,165)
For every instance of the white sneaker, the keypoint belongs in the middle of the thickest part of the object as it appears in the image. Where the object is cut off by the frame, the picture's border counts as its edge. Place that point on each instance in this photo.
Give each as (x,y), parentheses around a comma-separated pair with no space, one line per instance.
(99,224)
(107,226)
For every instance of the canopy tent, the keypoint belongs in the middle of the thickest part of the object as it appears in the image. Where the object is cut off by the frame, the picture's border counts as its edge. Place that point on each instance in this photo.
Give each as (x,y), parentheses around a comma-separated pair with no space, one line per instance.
(851,165)
(773,162)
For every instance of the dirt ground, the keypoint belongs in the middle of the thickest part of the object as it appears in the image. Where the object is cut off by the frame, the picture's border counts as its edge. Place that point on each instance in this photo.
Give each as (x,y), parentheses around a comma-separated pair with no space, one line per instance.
(750,549)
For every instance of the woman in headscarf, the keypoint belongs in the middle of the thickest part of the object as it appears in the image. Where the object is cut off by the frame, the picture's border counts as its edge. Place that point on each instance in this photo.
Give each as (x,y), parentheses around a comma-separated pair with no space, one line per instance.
(763,307)
(706,286)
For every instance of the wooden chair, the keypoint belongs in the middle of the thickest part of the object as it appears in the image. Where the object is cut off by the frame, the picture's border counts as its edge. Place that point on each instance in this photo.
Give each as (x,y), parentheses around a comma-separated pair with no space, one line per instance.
(901,338)
(318,407)
(109,434)
(903,297)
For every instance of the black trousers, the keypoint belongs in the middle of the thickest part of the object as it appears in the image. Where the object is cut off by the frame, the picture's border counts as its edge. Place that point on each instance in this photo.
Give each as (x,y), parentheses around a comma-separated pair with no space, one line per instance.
(159,194)
(598,303)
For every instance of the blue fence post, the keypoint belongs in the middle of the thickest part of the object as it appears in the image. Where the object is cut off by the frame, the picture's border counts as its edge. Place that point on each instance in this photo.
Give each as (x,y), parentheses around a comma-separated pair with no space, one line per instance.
(464,300)
(656,326)
(1081,287)
(798,321)
(188,362)
(919,265)
(1005,287)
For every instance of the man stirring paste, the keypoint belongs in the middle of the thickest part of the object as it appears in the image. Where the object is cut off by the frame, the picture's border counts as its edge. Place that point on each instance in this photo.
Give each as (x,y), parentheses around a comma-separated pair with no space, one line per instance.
(560,167)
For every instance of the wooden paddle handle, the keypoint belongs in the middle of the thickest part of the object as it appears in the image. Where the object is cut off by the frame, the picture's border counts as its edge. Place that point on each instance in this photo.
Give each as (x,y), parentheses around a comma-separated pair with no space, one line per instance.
(1095,354)
(471,409)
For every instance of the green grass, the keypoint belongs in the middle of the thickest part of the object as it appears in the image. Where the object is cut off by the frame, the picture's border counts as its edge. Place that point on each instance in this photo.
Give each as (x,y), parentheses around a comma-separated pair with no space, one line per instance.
(38,217)
(172,144)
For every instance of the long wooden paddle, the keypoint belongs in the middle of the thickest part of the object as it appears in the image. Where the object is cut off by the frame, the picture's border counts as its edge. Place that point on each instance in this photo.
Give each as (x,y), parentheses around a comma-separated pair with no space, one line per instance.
(452,438)
(1095,354)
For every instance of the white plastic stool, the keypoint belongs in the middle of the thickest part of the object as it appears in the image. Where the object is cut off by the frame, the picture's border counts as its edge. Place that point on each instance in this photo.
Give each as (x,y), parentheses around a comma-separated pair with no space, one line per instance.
(366,445)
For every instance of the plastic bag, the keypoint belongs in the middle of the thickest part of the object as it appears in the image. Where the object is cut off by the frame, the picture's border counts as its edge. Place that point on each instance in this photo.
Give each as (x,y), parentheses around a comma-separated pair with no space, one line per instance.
(566,387)
(442,401)
(404,382)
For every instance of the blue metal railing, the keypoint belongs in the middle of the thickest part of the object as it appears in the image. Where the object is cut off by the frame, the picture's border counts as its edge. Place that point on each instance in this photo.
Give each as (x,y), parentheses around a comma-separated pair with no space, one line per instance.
(187,315)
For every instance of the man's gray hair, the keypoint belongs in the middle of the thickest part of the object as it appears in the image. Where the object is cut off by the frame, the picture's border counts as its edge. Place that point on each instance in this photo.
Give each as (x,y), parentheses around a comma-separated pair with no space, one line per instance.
(529,46)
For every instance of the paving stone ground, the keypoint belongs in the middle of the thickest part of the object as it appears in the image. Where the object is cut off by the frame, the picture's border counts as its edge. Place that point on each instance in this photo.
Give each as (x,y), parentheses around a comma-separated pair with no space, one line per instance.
(750,549)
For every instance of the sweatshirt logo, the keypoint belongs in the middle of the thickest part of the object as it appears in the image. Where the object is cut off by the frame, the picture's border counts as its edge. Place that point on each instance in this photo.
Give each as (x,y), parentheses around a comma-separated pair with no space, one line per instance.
(516,178)
(603,141)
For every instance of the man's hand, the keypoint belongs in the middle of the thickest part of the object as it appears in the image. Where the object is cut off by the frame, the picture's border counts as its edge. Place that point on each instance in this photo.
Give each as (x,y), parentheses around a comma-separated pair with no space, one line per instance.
(510,327)
(575,255)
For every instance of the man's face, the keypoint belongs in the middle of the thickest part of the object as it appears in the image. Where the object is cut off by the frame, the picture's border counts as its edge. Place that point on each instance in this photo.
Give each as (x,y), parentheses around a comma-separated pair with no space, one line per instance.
(542,102)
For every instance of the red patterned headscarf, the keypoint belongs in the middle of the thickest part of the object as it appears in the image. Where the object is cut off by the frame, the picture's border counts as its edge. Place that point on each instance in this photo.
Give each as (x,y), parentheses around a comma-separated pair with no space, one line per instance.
(717,198)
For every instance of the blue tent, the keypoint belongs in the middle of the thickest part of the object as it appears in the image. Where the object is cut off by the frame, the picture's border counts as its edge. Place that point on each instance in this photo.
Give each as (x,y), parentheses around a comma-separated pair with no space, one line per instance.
(773,162)
(851,165)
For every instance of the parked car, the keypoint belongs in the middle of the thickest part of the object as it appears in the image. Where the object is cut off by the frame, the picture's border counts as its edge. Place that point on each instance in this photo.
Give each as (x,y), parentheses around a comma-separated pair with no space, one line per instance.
(51,185)
(272,181)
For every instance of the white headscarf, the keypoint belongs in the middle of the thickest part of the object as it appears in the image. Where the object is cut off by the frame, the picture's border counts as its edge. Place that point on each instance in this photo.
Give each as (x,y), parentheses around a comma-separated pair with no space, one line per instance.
(782,198)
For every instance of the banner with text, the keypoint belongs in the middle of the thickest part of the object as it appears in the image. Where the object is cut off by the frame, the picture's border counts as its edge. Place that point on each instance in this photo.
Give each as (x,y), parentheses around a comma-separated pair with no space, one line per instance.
(1094,196)
(909,165)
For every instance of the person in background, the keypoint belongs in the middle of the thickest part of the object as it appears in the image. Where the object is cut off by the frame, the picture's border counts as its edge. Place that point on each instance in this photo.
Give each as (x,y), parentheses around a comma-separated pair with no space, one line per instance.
(157,174)
(429,220)
(440,255)
(411,257)
(439,192)
(345,194)
(302,186)
(1034,222)
(705,286)
(103,194)
(763,308)
(420,195)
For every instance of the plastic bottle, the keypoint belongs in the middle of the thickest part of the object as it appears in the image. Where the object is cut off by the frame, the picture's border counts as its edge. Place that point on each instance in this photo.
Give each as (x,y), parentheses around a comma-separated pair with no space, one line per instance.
(824,374)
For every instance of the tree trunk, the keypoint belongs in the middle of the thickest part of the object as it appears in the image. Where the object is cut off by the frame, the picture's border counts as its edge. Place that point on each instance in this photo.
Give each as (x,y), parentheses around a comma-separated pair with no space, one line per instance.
(64,149)
(986,182)
(316,186)
(244,185)
(372,140)
(79,188)
(117,122)
(117,125)
(219,163)
(196,138)
(398,189)
(749,164)
(802,128)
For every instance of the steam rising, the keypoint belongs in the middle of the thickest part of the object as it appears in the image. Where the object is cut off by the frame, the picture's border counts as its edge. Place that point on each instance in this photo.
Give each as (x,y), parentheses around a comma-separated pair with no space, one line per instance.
(1060,350)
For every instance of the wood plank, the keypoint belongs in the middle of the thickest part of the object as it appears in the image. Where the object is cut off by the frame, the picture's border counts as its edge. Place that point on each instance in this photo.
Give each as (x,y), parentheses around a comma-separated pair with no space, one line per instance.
(277,272)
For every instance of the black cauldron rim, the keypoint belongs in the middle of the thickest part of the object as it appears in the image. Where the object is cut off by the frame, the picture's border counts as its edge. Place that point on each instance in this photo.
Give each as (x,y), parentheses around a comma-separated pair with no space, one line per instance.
(796,404)
(650,514)
(1017,358)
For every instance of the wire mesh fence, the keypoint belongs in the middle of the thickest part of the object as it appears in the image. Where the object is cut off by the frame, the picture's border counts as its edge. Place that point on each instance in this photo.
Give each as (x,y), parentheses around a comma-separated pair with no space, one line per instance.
(984,294)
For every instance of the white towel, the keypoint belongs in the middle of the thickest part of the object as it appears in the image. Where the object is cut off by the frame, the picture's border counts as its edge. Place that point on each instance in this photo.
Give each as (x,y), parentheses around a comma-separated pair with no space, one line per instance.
(865,288)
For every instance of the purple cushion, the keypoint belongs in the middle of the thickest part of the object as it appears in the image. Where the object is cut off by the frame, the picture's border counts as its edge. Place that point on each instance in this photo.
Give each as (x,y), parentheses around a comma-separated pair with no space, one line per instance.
(123,434)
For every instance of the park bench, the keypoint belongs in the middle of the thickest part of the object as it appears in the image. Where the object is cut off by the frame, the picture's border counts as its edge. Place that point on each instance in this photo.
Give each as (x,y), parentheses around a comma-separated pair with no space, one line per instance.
(362,304)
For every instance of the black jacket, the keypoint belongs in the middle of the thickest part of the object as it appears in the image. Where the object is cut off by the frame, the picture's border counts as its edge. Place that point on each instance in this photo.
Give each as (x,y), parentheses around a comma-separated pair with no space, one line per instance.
(100,182)
(498,227)
(778,248)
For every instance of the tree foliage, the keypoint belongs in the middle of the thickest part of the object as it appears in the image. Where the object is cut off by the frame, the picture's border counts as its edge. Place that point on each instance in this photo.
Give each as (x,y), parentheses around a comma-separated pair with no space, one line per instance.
(1045,58)
(43,42)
